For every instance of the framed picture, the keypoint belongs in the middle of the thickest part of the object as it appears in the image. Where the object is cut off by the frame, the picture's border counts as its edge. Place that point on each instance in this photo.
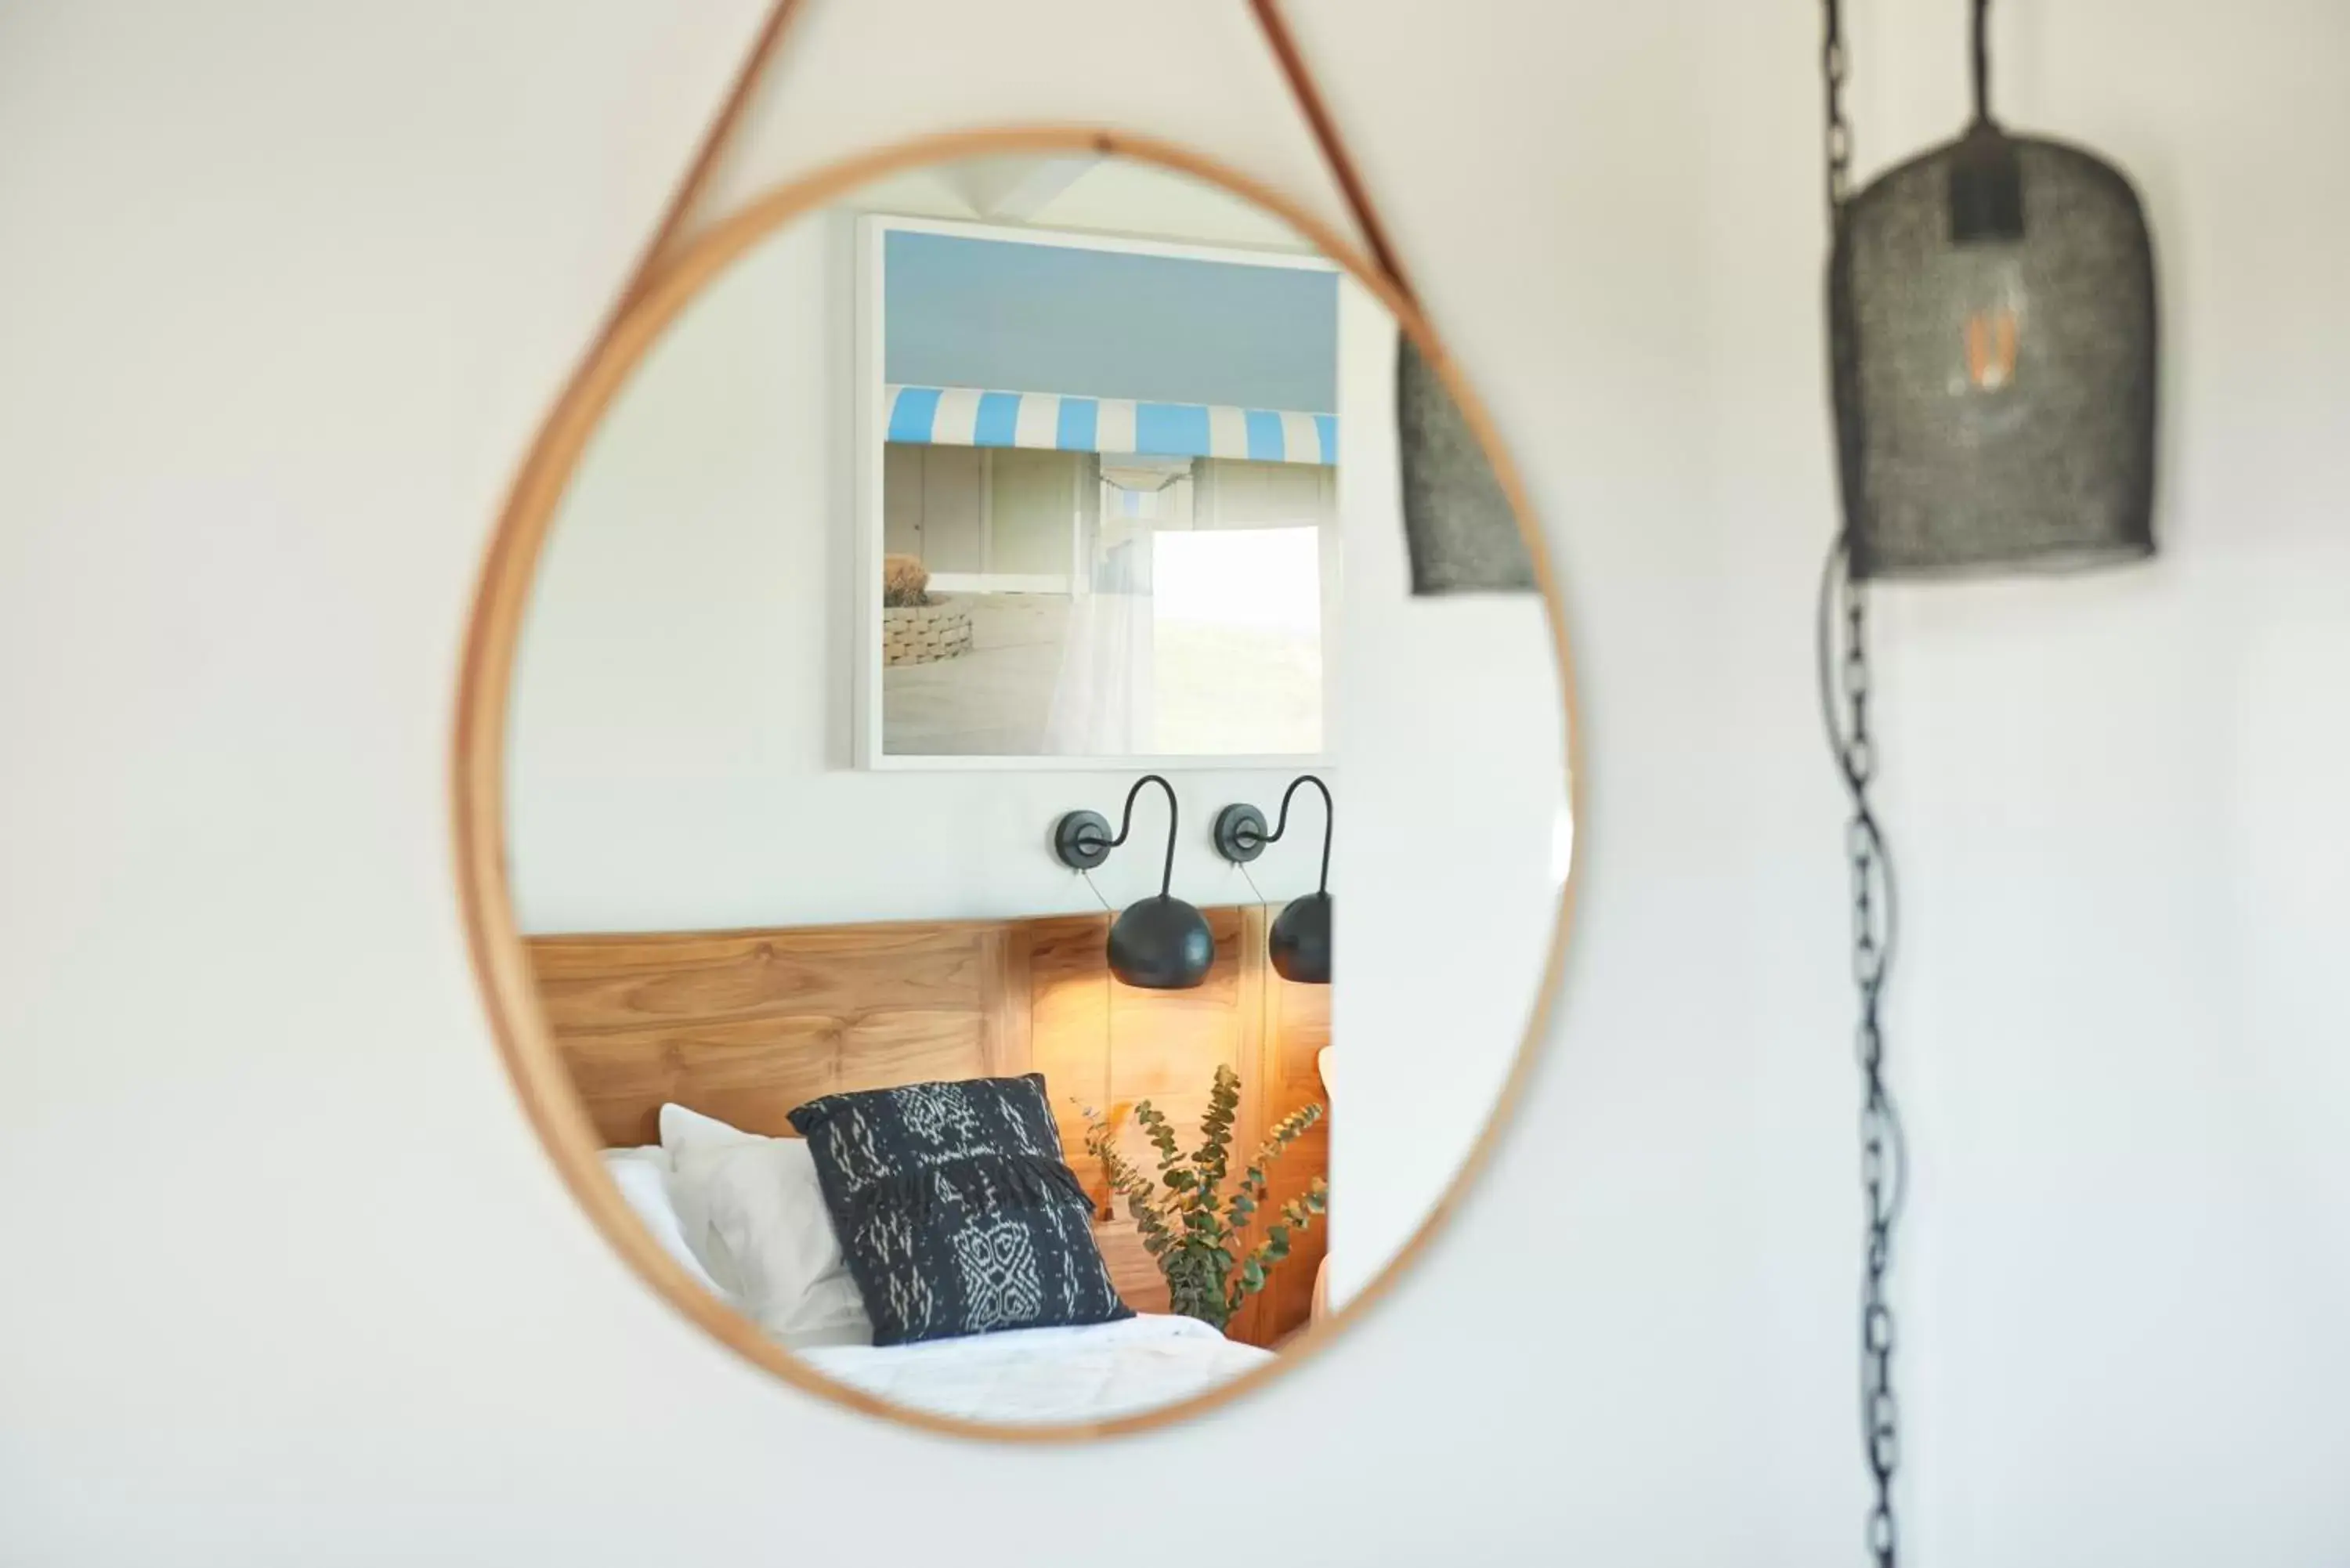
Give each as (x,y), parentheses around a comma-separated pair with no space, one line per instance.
(1096,502)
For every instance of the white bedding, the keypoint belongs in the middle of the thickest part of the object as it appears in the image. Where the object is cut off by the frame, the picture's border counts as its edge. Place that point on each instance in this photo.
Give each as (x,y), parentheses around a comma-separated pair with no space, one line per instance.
(1046,1376)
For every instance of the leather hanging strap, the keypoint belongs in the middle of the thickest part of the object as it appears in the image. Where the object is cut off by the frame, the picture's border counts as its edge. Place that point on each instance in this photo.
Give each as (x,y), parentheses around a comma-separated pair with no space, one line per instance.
(764,44)
(687,194)
(1462,531)
(1284,45)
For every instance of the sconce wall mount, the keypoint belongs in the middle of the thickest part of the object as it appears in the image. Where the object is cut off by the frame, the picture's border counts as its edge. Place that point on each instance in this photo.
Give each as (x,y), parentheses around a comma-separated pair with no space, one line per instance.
(1299,943)
(1159,943)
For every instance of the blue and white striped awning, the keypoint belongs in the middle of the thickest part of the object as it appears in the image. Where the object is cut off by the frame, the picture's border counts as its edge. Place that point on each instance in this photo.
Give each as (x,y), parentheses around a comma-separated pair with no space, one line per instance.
(962,416)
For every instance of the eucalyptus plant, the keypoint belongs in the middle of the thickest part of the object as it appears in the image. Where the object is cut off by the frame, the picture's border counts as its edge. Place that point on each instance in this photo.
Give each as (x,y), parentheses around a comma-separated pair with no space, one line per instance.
(1186,1219)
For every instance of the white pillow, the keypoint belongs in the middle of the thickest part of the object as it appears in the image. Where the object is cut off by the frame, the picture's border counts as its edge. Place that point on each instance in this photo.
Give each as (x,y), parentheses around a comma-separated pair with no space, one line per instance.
(690,1133)
(752,1208)
(642,1177)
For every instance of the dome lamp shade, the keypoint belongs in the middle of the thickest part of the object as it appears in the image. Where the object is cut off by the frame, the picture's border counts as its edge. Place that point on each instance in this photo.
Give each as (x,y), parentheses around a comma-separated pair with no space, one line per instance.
(1299,943)
(1159,943)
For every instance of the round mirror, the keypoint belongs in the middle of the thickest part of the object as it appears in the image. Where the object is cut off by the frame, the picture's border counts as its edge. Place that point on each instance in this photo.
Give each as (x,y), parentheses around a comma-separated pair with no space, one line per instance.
(1013,796)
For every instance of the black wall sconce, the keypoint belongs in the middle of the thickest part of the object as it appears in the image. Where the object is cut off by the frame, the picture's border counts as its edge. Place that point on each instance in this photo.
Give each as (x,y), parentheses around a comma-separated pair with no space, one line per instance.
(1159,943)
(1299,944)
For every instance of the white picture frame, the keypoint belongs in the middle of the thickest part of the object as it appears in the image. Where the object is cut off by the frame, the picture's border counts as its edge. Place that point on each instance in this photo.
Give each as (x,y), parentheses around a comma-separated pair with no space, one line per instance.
(866,432)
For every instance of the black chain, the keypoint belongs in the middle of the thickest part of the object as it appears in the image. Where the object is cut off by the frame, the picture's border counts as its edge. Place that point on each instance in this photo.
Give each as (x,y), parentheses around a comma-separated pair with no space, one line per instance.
(1839,133)
(1844,683)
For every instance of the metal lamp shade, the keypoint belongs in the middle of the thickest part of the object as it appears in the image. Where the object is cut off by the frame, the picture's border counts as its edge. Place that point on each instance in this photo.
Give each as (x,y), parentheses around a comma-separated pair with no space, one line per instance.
(1160,943)
(1458,525)
(1992,312)
(1299,943)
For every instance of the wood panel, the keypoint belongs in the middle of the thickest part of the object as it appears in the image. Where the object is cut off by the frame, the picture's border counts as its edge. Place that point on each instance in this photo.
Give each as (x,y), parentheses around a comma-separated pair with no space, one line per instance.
(1165,1046)
(747,1025)
(1069,1023)
(1296,1028)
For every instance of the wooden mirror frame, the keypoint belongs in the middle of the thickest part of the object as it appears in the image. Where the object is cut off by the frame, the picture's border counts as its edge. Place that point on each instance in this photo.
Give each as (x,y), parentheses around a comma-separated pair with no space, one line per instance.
(501,963)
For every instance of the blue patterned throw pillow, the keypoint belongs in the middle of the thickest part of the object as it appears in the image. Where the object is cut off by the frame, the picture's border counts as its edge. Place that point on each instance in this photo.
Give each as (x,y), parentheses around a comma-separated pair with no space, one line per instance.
(956,1211)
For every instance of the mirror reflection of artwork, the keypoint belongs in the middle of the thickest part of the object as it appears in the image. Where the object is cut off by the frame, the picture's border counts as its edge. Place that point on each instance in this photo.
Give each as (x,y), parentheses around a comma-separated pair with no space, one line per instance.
(1107,496)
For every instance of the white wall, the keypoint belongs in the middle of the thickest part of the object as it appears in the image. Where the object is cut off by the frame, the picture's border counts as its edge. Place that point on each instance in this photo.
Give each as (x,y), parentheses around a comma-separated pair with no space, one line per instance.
(681,744)
(1446,880)
(288,1281)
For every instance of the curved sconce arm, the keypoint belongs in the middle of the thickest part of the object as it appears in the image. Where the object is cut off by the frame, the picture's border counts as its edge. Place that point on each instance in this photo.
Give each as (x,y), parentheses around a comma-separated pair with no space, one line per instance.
(1159,943)
(1241,834)
(1081,839)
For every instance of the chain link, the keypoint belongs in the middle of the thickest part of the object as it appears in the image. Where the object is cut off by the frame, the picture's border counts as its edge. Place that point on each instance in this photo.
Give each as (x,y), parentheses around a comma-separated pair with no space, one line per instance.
(1881,1150)
(1844,703)
(1839,131)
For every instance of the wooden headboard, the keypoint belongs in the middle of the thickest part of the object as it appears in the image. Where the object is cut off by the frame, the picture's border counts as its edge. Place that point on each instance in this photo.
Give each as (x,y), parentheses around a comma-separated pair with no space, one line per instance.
(745,1025)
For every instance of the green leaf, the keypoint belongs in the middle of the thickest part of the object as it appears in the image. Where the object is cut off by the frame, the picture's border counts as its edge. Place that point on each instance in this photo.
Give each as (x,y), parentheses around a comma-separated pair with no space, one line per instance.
(1191,1224)
(1224,1105)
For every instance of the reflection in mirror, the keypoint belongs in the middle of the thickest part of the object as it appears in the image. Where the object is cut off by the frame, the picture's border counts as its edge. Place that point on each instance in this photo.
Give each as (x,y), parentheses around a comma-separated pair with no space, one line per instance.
(1108,492)
(933,520)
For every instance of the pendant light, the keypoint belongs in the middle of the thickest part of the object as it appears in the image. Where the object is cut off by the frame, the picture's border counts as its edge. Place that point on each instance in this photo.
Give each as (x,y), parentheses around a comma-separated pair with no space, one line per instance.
(1991,351)
(1459,526)
(1993,312)
(1299,943)
(1159,943)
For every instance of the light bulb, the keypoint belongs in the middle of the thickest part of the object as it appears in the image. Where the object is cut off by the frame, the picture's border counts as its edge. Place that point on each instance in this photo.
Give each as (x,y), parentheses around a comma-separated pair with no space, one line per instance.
(1992,328)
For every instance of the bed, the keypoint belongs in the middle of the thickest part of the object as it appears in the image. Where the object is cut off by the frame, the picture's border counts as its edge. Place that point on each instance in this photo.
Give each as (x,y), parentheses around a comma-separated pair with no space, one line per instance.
(747,1025)
(1096,1372)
